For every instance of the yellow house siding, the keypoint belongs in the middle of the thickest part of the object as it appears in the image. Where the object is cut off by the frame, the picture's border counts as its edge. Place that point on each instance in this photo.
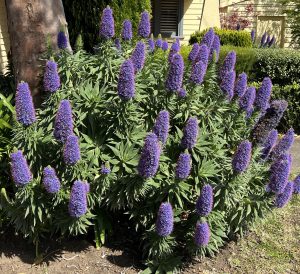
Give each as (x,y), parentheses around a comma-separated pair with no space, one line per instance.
(4,37)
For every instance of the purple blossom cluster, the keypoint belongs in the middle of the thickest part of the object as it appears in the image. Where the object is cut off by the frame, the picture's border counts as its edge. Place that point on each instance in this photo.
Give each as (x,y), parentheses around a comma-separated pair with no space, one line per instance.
(118,44)
(175,74)
(158,43)
(215,48)
(151,45)
(202,234)
(284,144)
(165,220)
(253,35)
(241,85)
(190,133)
(105,169)
(162,125)
(78,199)
(269,143)
(203,55)
(138,56)
(165,46)
(227,84)
(107,24)
(127,30)
(50,180)
(63,126)
(247,100)
(181,93)
(149,160)
(242,157)
(20,171)
(263,94)
(71,152)
(51,77)
(204,203)
(208,38)
(297,185)
(174,49)
(263,39)
(198,73)
(183,168)
(24,105)
(126,82)
(144,25)
(194,52)
(62,40)
(228,64)
(283,198)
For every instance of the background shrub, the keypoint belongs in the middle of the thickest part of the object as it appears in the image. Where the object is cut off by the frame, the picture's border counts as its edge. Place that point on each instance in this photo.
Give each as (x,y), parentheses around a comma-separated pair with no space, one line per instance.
(228,37)
(83,17)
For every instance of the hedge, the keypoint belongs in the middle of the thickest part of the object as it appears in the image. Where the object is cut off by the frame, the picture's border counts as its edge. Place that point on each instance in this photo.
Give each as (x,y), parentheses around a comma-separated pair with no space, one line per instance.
(227,37)
(83,16)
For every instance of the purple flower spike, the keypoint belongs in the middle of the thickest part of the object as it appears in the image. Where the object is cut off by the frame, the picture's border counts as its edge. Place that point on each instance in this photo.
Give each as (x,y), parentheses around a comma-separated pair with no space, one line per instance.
(62,40)
(194,52)
(269,143)
(175,74)
(269,120)
(279,174)
(118,44)
(190,133)
(208,38)
(105,170)
(107,24)
(204,203)
(246,102)
(158,43)
(216,46)
(20,171)
(138,56)
(282,199)
(253,35)
(51,77)
(227,84)
(24,105)
(284,144)
(202,234)
(149,160)
(228,64)
(50,180)
(242,157)
(151,45)
(203,55)
(144,25)
(161,127)
(263,94)
(198,73)
(181,93)
(267,41)
(183,168)
(272,42)
(174,49)
(63,126)
(78,201)
(126,83)
(263,39)
(71,150)
(241,85)
(127,30)
(165,220)
(297,185)
(165,46)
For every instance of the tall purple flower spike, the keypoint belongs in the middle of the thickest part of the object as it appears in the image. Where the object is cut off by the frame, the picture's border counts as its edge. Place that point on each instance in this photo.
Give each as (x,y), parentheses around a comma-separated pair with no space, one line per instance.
(62,40)
(198,73)
(202,234)
(51,77)
(253,35)
(242,157)
(241,85)
(227,84)
(175,74)
(19,169)
(284,144)
(183,168)
(194,52)
(174,49)
(215,48)
(204,204)
(228,64)
(279,174)
(24,105)
(282,199)
(263,94)
(269,144)
(162,125)
(127,30)
(165,46)
(203,55)
(208,38)
(138,56)
(297,185)
(149,159)
(71,150)
(158,43)
(78,200)
(144,25)
(263,39)
(247,100)
(107,24)
(151,45)
(165,220)
(126,82)
(50,180)
(63,126)
(190,133)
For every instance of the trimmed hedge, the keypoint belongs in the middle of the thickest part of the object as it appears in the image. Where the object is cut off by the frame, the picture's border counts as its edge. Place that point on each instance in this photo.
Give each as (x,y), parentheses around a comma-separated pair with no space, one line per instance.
(227,37)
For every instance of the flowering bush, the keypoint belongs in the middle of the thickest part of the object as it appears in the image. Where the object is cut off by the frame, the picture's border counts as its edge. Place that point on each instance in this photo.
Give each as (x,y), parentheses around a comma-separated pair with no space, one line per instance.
(130,134)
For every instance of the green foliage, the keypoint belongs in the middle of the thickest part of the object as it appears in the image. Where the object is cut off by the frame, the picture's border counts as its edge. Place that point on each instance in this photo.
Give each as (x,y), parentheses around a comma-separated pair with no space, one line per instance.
(234,38)
(83,16)
(112,131)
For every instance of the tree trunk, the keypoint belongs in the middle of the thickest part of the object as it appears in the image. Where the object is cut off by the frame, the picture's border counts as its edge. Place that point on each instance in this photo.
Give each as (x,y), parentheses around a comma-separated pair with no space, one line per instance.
(32,25)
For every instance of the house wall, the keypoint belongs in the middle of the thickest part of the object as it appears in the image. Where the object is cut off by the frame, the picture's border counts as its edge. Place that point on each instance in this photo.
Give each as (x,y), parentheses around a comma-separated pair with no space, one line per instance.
(269,18)
(194,10)
(4,37)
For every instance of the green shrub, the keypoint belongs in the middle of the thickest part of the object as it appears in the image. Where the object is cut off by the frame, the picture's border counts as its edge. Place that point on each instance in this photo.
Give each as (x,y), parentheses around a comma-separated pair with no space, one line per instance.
(83,17)
(112,132)
(227,37)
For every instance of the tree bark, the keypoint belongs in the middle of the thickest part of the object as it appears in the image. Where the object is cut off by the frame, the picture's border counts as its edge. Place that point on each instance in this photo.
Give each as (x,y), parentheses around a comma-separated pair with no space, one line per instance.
(32,25)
